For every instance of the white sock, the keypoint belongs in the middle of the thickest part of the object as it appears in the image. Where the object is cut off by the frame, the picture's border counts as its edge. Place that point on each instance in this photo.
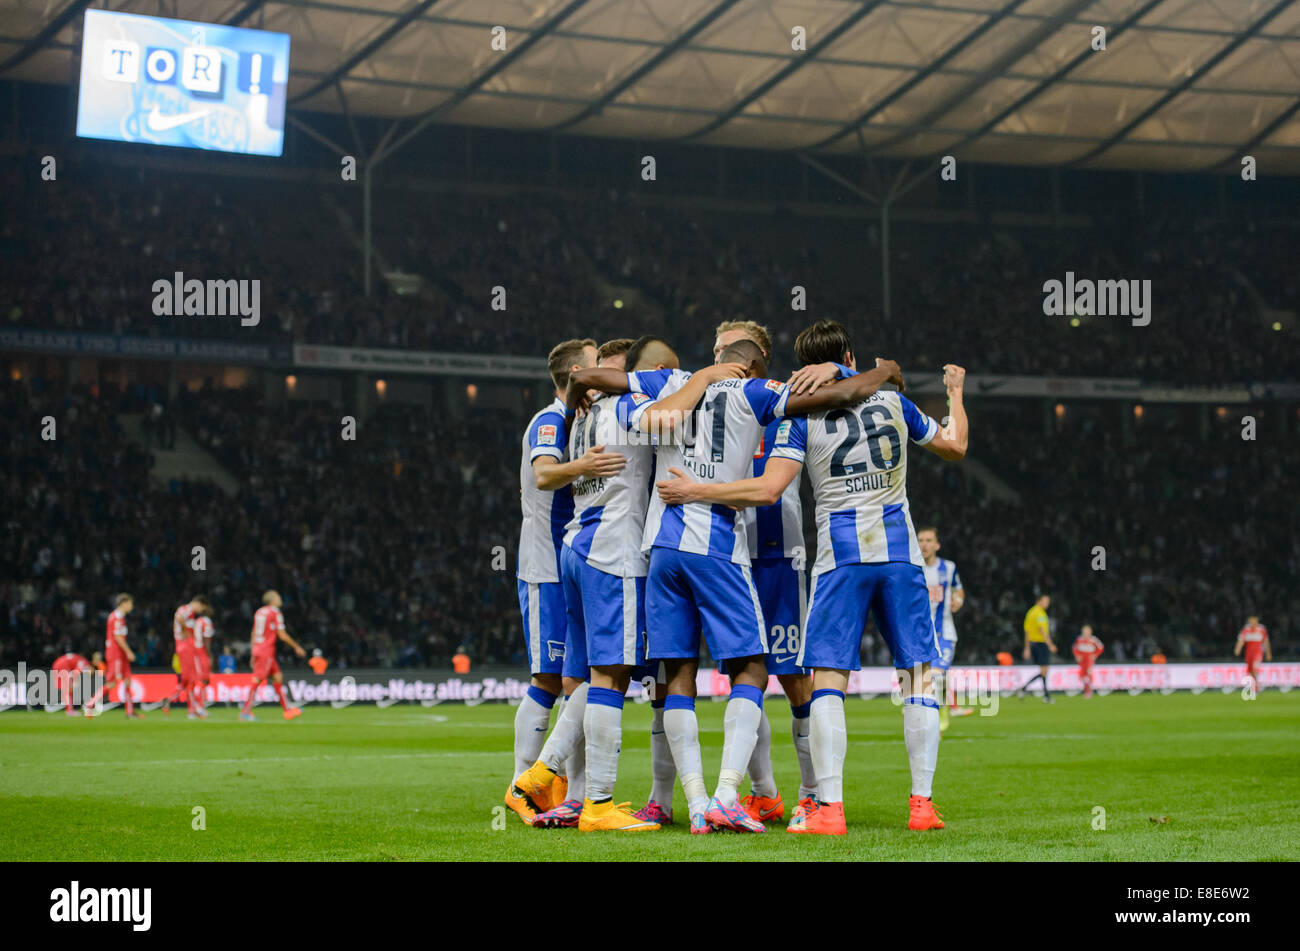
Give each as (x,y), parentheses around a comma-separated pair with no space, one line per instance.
(567,735)
(603,726)
(761,780)
(827,744)
(921,734)
(799,730)
(661,762)
(531,721)
(739,736)
(577,772)
(683,732)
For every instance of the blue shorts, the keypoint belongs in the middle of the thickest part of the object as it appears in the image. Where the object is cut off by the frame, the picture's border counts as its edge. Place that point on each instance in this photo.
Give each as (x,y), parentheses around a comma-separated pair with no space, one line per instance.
(946,650)
(545,621)
(783,595)
(606,612)
(687,594)
(896,595)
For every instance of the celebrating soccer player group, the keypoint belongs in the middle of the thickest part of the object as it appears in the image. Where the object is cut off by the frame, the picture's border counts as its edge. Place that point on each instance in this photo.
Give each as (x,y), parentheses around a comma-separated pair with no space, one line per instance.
(660,505)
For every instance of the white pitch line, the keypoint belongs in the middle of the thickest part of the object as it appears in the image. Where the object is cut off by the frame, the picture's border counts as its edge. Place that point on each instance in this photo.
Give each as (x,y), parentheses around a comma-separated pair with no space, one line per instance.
(259,759)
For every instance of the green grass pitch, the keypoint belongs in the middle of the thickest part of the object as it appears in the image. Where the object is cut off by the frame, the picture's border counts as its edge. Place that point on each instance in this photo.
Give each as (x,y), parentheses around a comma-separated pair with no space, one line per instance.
(416,783)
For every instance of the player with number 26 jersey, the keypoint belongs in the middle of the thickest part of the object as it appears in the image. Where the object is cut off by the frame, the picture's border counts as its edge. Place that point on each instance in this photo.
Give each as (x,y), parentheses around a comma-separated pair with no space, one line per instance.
(857,462)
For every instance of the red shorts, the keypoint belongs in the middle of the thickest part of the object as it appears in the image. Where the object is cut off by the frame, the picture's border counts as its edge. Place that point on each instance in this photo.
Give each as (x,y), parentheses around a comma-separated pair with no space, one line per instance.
(1085,664)
(202,665)
(186,657)
(116,667)
(1253,659)
(265,667)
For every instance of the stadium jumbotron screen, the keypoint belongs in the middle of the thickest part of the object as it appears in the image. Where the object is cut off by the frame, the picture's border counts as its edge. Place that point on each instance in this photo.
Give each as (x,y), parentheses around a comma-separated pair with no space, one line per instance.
(181,83)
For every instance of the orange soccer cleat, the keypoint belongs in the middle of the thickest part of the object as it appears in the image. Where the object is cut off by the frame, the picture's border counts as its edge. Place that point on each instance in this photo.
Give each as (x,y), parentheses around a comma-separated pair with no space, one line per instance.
(763,808)
(560,790)
(819,818)
(922,814)
(292,712)
(804,805)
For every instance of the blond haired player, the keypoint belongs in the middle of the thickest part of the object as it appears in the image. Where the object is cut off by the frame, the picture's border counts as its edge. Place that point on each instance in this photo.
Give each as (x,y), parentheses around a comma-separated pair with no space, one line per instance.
(778,566)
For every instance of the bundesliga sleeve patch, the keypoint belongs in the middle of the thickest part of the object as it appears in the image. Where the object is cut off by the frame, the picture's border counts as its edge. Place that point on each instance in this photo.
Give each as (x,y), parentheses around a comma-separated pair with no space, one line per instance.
(774,385)
(639,398)
(546,435)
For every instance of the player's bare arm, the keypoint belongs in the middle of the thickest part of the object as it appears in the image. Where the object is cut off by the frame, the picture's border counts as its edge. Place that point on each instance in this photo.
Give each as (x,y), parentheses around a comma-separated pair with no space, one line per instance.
(763,490)
(550,474)
(1236,650)
(121,643)
(582,382)
(845,393)
(284,636)
(958,599)
(666,415)
(951,442)
(808,379)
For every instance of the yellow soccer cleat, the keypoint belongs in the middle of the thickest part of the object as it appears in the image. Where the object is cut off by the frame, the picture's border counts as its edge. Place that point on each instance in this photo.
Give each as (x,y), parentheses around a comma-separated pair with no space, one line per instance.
(516,801)
(607,817)
(560,789)
(538,785)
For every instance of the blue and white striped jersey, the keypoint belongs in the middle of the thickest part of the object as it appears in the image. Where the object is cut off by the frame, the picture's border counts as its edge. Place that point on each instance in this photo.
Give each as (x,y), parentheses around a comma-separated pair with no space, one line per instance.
(545,513)
(609,512)
(652,382)
(857,461)
(716,445)
(941,578)
(774,531)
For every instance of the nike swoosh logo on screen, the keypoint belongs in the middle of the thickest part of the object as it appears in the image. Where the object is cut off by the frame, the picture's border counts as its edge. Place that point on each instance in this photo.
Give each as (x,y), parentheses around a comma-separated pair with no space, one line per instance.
(161,123)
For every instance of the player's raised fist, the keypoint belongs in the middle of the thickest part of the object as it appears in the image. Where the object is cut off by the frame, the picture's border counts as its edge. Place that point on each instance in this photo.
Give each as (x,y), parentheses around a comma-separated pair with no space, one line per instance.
(954,376)
(895,371)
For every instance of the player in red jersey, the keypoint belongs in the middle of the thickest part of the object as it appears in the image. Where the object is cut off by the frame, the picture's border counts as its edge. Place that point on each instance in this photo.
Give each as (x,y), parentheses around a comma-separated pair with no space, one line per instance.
(202,661)
(268,628)
(67,668)
(183,635)
(117,658)
(1254,638)
(1087,649)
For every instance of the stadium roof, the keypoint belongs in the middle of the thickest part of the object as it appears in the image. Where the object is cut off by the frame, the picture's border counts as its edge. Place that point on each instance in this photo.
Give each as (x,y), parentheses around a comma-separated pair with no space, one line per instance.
(1182,84)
